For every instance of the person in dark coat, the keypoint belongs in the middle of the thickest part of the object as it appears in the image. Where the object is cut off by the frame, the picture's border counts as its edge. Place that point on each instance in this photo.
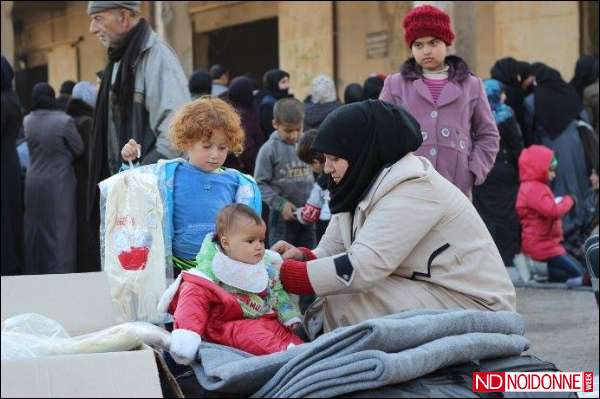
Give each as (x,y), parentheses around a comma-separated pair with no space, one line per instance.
(81,109)
(276,85)
(517,78)
(64,95)
(12,200)
(496,198)
(353,93)
(240,96)
(586,73)
(50,186)
(372,87)
(557,117)
(323,100)
(200,84)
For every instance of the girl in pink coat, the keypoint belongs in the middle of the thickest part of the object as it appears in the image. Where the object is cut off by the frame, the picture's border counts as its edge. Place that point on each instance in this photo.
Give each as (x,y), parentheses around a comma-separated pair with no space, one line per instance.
(460,136)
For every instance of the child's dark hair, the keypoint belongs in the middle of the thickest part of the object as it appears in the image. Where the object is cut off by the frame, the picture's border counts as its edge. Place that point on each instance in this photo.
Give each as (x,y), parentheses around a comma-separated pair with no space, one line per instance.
(227,217)
(288,110)
(305,153)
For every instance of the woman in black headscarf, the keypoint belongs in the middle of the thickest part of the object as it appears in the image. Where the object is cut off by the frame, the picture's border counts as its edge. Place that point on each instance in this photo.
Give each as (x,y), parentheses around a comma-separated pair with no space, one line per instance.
(556,113)
(372,87)
(517,80)
(353,93)
(401,236)
(12,194)
(240,96)
(586,73)
(556,103)
(276,85)
(50,186)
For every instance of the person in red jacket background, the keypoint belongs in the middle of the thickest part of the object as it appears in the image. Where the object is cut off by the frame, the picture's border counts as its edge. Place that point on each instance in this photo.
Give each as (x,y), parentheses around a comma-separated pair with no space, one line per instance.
(540,215)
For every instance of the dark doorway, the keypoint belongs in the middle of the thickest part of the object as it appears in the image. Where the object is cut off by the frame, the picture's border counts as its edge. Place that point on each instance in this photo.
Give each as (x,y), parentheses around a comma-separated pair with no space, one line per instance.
(26,79)
(247,48)
(588,12)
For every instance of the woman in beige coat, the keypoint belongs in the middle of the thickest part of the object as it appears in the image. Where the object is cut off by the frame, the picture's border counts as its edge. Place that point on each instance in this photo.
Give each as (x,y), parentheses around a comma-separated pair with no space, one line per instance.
(401,236)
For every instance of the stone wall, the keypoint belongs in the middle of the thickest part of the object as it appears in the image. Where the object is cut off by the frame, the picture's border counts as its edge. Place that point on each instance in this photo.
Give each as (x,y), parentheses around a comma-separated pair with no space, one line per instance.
(364,26)
(544,31)
(305,42)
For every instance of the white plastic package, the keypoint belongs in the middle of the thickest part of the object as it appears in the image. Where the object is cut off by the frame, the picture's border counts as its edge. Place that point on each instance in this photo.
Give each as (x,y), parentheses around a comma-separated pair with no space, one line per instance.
(132,243)
(32,335)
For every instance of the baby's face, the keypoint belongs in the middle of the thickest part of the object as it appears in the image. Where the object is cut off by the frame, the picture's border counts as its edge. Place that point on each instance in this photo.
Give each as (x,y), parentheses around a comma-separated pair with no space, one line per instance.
(246,243)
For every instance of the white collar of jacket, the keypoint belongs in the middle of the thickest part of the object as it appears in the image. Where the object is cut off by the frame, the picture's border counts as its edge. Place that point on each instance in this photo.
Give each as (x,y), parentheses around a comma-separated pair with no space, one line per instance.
(243,276)
(410,167)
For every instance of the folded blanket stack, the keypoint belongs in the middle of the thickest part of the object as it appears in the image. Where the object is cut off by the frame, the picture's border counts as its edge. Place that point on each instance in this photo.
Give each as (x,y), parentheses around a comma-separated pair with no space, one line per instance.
(371,354)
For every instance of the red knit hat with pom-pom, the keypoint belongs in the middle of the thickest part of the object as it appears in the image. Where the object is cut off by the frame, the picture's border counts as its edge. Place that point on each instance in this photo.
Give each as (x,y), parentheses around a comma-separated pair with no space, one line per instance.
(427,21)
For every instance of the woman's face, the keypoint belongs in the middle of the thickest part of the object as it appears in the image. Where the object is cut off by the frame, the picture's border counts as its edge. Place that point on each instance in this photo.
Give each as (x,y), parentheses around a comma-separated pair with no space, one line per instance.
(528,82)
(284,84)
(429,52)
(336,167)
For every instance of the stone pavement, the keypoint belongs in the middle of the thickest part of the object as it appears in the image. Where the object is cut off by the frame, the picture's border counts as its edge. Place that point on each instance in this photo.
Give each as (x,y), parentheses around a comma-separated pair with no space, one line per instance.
(562,327)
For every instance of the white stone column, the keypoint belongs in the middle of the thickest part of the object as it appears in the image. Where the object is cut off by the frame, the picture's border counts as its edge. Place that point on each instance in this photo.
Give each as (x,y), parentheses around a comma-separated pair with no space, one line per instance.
(173,24)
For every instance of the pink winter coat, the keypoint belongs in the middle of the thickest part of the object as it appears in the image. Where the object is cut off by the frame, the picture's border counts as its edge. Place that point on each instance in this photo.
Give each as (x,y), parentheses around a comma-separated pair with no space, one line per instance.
(460,136)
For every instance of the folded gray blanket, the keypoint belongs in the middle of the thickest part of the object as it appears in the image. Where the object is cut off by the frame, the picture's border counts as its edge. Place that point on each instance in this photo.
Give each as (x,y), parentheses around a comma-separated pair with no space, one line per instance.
(373,353)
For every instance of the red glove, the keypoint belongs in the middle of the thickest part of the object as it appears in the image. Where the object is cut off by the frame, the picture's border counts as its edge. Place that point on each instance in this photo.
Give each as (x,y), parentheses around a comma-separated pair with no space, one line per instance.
(294,277)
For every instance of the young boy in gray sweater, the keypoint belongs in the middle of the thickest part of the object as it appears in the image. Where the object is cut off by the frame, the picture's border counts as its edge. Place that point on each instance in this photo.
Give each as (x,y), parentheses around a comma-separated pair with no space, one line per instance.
(284,180)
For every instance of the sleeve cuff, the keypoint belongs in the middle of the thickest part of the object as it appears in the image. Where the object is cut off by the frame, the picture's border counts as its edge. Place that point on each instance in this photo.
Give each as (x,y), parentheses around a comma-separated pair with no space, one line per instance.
(186,338)
(280,204)
(308,254)
(292,321)
(294,278)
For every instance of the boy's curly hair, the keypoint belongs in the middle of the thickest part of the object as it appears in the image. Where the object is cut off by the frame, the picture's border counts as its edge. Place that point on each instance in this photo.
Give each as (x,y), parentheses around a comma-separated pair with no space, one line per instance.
(197,120)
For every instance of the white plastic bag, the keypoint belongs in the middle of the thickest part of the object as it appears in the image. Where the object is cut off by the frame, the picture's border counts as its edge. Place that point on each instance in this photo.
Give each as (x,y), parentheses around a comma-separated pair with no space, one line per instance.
(132,243)
(32,335)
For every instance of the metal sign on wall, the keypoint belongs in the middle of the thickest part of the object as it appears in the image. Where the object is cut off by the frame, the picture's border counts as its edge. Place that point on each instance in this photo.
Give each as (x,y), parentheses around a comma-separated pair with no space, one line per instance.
(377,44)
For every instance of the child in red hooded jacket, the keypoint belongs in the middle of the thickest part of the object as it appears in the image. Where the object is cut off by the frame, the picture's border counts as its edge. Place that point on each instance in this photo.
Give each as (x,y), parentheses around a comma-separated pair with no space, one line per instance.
(540,214)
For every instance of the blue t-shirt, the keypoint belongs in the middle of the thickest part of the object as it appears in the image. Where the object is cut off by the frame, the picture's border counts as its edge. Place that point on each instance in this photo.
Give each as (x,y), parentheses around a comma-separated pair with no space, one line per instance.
(197,198)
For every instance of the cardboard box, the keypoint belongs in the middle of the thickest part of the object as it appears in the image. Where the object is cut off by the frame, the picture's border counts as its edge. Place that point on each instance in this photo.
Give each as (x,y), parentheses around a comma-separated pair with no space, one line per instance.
(82,304)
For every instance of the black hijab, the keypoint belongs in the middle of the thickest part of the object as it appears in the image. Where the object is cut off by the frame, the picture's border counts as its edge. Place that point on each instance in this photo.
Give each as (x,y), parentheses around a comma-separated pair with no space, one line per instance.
(271,83)
(240,92)
(353,93)
(370,135)
(586,73)
(43,97)
(7,75)
(556,102)
(510,71)
(372,87)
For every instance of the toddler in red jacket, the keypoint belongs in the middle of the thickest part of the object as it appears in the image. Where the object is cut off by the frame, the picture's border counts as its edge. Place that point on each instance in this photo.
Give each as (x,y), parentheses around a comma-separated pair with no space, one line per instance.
(540,214)
(234,296)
